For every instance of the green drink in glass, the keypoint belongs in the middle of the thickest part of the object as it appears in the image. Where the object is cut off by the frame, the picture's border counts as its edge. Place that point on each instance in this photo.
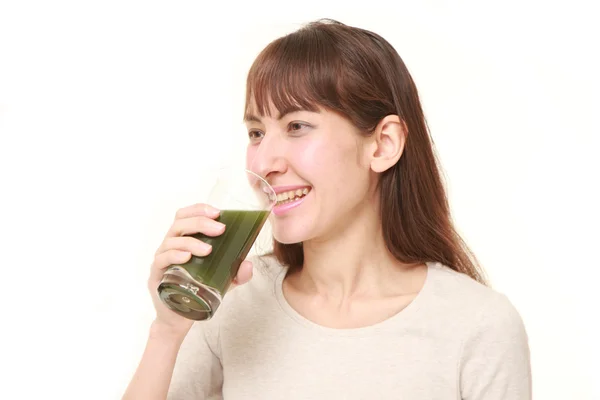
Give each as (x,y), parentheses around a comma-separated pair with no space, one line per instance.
(195,289)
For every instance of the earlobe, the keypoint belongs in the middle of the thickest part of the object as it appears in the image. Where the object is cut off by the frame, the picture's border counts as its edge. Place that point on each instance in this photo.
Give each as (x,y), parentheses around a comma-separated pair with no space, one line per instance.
(389,138)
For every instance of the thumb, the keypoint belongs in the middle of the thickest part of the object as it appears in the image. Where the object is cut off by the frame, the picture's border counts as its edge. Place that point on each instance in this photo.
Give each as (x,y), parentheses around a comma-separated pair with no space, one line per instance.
(244,274)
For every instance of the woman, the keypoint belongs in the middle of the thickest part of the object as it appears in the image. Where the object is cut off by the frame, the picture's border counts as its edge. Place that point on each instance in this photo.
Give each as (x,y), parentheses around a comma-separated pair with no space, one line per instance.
(370,292)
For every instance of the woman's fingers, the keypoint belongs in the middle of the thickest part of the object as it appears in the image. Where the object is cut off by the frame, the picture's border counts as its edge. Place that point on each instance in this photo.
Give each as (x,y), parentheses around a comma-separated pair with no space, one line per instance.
(192,225)
(185,243)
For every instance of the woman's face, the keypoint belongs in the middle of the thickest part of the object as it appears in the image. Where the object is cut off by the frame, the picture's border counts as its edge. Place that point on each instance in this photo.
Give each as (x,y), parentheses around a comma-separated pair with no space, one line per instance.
(317,163)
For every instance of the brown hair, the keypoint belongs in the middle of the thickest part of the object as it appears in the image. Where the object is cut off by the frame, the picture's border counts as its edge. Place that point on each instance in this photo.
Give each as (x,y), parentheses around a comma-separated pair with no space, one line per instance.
(359,75)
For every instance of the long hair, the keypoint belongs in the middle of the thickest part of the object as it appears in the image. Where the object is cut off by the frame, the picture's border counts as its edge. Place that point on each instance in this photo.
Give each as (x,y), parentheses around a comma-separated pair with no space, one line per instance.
(359,75)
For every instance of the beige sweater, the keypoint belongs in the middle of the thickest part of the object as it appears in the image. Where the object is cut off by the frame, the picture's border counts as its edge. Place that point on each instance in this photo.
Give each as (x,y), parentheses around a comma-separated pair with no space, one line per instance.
(457,340)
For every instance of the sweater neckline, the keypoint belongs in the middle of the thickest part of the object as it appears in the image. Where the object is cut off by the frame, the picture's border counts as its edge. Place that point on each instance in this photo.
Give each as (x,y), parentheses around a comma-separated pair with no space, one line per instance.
(391,323)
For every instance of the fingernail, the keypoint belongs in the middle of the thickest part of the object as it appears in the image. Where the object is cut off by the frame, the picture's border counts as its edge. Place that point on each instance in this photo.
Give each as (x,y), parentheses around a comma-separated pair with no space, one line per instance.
(212,210)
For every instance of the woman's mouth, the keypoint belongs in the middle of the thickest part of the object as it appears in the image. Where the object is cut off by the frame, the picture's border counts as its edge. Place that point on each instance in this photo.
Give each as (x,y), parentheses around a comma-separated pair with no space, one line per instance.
(291,195)
(289,199)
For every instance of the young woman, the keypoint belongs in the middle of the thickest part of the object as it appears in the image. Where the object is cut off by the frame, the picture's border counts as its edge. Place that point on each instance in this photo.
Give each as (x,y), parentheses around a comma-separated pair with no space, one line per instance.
(370,293)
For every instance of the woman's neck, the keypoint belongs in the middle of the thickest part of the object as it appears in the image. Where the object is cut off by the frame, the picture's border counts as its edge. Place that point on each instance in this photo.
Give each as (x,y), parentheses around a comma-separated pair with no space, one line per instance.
(353,262)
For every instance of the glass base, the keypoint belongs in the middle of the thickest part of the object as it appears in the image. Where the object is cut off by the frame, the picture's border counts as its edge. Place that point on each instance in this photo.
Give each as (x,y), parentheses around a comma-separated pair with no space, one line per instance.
(186,296)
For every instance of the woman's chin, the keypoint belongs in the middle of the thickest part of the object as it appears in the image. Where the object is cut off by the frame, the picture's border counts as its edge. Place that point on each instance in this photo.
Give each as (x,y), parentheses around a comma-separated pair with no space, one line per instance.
(288,237)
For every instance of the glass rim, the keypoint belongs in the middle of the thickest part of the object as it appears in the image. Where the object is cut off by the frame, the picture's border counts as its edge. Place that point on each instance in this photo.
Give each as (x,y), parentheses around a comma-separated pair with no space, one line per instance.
(222,173)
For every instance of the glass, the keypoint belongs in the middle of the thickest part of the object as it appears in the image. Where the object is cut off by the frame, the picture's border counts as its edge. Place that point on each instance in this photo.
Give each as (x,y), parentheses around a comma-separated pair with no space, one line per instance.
(195,289)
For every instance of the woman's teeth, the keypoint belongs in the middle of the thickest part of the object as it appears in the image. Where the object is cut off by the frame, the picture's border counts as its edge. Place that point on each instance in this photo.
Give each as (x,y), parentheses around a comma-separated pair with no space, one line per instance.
(286,197)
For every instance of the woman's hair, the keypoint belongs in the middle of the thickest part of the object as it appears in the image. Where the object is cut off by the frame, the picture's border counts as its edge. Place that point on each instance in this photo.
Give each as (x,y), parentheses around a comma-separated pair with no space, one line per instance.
(358,74)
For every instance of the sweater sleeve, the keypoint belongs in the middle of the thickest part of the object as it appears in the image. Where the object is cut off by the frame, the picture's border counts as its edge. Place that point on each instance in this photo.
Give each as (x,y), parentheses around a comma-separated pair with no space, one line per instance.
(198,374)
(495,359)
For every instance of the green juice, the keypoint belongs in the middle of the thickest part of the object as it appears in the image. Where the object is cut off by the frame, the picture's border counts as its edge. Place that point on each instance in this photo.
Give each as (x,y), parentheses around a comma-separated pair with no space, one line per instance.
(196,288)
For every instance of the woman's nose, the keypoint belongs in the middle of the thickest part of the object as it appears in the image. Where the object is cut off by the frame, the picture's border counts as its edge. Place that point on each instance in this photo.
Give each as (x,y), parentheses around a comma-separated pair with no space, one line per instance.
(269,157)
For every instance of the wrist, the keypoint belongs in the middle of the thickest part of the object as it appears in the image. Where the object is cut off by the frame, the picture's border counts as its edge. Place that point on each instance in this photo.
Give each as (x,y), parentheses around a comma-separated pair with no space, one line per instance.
(166,333)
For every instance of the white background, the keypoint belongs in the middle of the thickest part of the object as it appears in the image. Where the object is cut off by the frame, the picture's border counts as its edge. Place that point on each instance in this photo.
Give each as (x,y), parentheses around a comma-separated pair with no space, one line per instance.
(110,113)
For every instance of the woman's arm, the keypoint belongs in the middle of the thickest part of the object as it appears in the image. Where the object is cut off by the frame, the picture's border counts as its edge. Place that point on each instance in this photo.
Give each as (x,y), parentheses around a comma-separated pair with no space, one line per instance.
(179,366)
(154,372)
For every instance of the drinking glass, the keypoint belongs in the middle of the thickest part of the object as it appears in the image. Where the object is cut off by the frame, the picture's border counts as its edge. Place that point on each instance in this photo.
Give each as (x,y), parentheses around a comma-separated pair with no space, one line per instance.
(195,289)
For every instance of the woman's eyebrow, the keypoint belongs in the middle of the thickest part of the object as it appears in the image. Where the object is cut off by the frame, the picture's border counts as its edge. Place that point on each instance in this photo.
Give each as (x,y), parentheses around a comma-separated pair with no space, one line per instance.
(253,118)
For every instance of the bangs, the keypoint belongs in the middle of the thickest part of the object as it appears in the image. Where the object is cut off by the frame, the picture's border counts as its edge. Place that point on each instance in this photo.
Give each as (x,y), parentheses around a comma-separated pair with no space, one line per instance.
(296,72)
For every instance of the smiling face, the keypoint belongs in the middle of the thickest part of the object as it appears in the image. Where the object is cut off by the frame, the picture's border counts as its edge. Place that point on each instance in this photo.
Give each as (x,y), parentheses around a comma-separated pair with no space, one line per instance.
(323,130)
(317,162)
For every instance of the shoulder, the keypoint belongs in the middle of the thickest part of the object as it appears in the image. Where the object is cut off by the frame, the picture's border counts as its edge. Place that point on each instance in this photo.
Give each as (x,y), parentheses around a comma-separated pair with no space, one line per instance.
(484,313)
(477,308)
(458,290)
(493,347)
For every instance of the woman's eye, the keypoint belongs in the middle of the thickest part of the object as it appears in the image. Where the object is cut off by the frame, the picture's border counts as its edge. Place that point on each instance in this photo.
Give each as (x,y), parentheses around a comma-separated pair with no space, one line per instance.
(255,135)
(297,126)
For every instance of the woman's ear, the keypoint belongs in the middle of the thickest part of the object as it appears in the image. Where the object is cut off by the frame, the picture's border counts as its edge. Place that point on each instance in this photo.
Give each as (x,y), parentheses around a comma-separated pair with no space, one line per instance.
(388,138)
